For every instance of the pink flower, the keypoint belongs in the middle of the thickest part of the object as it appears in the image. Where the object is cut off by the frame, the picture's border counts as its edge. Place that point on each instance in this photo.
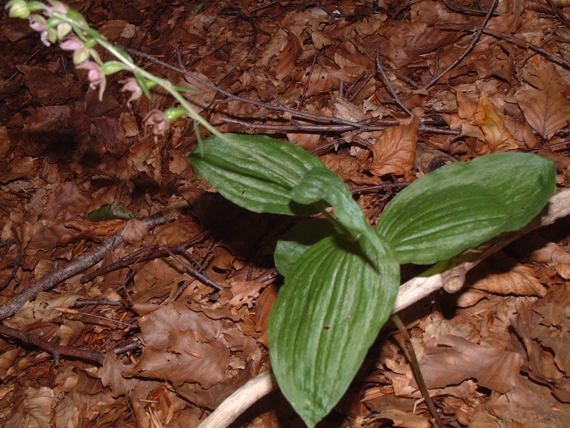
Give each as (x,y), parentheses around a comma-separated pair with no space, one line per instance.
(158,121)
(75,44)
(95,76)
(132,86)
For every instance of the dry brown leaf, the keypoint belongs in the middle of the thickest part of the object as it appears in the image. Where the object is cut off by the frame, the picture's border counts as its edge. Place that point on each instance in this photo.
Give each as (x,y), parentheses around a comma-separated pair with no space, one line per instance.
(394,150)
(456,359)
(112,375)
(192,357)
(501,62)
(38,407)
(427,39)
(543,104)
(5,142)
(318,80)
(245,292)
(552,253)
(502,274)
(528,405)
(497,136)
(203,95)
(134,231)
(288,56)
(405,419)
(306,141)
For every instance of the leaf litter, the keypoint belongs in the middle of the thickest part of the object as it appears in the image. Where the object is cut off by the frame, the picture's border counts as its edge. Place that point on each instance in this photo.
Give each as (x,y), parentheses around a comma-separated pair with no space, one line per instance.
(336,78)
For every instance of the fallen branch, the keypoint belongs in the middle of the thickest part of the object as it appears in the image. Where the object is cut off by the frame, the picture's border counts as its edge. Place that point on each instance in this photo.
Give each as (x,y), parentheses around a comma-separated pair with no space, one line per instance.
(449,274)
(81,263)
(55,350)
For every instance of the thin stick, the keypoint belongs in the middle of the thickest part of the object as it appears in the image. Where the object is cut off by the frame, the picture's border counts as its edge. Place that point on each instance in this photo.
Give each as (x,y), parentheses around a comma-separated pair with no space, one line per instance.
(388,85)
(413,359)
(81,263)
(52,348)
(516,40)
(194,272)
(466,51)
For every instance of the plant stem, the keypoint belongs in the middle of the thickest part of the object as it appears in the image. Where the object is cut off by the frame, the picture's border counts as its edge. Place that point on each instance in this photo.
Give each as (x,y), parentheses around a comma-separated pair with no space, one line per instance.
(411,354)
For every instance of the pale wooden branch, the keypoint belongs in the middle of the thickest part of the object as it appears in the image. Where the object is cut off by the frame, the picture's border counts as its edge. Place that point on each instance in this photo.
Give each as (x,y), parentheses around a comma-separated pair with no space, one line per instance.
(449,275)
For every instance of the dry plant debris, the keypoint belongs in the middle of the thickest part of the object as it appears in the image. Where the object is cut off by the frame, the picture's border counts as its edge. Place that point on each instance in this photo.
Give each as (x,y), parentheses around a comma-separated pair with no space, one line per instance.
(172,317)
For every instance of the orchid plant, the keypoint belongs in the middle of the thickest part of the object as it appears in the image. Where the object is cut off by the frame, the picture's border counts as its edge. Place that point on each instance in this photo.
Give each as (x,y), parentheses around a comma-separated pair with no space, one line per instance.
(341,276)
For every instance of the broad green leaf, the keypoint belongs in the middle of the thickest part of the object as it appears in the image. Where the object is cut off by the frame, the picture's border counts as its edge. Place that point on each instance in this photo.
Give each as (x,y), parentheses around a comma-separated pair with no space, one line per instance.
(462,205)
(109,212)
(322,184)
(329,312)
(255,172)
(299,239)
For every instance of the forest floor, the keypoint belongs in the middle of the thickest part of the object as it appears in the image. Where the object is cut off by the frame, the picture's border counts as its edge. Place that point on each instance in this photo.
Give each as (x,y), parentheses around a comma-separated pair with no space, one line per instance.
(383,91)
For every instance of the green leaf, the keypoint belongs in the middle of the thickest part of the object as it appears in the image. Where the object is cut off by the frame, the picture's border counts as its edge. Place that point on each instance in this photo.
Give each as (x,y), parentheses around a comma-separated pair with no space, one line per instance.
(109,212)
(255,172)
(111,67)
(329,312)
(186,89)
(299,239)
(322,184)
(143,83)
(462,205)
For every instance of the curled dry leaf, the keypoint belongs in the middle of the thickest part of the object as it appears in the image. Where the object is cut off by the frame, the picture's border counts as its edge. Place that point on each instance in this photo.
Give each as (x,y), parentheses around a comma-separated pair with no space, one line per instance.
(497,136)
(288,56)
(394,150)
(552,253)
(542,100)
(134,231)
(318,80)
(456,359)
(502,274)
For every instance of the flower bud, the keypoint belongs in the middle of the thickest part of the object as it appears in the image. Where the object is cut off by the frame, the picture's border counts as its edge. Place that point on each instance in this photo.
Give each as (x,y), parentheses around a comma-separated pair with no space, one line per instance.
(18,9)
(174,113)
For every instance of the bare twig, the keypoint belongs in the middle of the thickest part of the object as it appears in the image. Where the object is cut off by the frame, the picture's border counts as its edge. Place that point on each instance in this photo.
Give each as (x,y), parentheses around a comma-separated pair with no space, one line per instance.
(516,40)
(378,188)
(306,128)
(194,272)
(142,255)
(413,359)
(52,348)
(336,124)
(467,51)
(74,267)
(559,14)
(395,97)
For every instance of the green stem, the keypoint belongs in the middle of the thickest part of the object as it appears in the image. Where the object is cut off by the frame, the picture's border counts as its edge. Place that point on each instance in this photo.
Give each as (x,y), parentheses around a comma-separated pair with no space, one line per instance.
(165,84)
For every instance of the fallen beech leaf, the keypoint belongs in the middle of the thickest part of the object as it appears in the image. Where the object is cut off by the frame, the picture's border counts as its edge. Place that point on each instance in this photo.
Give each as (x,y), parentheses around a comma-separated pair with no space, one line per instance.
(37,407)
(394,150)
(245,292)
(497,136)
(318,80)
(111,375)
(134,231)
(543,104)
(456,359)
(288,56)
(502,274)
(552,253)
